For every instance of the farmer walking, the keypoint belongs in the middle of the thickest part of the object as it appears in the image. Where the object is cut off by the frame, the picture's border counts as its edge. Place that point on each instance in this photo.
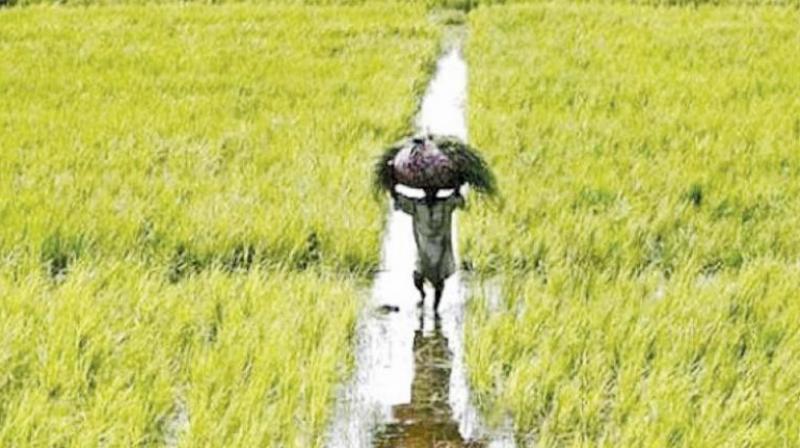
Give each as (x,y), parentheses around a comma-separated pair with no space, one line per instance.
(432,224)
(439,166)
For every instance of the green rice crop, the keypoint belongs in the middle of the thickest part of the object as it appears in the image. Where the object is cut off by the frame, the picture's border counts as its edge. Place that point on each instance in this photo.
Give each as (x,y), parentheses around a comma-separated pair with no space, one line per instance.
(195,134)
(647,238)
(462,5)
(116,353)
(185,215)
(609,361)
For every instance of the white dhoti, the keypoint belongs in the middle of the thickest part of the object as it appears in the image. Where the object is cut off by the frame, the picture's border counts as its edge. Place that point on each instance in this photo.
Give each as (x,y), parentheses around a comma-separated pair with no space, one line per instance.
(433,221)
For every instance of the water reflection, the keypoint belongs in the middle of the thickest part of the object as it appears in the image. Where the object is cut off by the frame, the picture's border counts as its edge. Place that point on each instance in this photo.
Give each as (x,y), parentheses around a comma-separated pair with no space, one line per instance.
(409,388)
(427,420)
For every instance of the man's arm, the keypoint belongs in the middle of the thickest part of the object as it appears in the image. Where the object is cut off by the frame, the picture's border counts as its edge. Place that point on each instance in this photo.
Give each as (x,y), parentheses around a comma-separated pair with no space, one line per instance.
(456,200)
(407,205)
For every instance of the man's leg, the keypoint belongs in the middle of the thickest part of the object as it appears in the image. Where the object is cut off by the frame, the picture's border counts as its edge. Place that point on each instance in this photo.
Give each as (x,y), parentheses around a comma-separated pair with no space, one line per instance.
(437,297)
(418,283)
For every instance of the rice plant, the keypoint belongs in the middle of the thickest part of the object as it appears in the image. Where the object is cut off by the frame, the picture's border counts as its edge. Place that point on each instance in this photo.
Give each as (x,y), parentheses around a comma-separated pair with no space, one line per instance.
(646,240)
(192,135)
(186,227)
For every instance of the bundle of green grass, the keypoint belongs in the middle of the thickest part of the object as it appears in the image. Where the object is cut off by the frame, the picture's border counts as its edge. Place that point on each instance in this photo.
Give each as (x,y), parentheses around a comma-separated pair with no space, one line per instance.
(431,163)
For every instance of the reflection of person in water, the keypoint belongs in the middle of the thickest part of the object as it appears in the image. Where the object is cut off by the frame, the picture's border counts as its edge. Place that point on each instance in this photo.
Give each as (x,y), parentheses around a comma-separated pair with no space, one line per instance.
(433,222)
(427,421)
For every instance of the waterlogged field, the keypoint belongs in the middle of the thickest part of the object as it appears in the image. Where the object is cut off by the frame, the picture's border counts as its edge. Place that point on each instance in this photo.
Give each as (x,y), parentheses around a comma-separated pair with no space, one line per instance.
(185,215)
(647,241)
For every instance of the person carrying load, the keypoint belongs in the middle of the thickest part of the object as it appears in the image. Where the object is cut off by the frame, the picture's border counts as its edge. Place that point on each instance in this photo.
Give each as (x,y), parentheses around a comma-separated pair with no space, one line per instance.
(440,166)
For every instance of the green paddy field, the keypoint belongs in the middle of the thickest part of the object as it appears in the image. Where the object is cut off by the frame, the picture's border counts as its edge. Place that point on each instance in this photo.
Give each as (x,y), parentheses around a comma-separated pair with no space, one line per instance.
(647,243)
(187,232)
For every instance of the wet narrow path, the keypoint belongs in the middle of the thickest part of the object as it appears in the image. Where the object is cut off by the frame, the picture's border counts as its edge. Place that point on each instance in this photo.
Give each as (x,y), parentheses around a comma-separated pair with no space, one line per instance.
(410,387)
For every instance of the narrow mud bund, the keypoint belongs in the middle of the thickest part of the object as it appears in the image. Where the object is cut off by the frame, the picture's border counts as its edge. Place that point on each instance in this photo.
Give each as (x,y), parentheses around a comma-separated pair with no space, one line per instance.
(410,387)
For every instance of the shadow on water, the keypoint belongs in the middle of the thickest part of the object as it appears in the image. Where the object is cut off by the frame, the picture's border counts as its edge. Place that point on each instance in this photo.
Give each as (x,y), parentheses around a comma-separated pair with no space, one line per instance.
(427,420)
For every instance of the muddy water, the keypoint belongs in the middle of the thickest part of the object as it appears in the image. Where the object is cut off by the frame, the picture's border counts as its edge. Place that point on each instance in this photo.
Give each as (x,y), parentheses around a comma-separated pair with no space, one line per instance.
(410,387)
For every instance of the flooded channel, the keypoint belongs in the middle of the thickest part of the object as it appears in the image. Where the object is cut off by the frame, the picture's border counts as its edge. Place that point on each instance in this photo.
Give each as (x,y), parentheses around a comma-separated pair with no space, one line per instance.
(409,388)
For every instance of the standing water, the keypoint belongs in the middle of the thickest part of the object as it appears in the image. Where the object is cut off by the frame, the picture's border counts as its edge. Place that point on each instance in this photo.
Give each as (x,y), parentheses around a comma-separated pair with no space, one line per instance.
(410,388)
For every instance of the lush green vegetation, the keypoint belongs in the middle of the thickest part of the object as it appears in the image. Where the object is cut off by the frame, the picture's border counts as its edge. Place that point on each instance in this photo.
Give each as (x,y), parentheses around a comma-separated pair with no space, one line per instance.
(197,134)
(436,5)
(186,219)
(185,215)
(118,355)
(647,241)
